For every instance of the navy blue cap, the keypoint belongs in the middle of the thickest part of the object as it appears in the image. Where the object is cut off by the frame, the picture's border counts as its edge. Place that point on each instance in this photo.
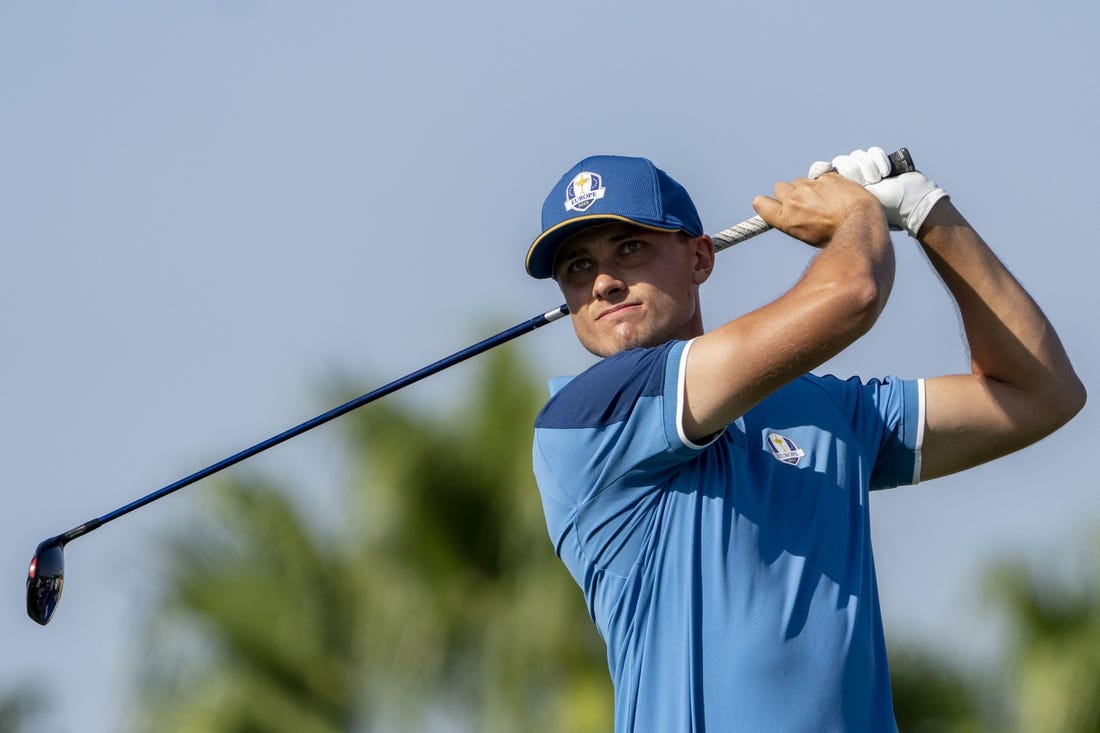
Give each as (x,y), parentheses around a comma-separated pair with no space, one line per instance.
(604,189)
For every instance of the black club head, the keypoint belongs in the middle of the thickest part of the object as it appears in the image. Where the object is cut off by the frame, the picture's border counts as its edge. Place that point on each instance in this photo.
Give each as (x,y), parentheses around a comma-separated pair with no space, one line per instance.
(45,578)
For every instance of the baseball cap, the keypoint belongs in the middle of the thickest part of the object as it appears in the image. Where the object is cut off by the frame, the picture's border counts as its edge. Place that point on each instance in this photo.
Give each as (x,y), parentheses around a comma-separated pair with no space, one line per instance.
(607,188)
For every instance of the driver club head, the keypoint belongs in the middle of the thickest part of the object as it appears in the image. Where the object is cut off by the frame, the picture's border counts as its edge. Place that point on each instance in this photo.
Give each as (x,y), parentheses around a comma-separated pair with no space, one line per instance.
(44,579)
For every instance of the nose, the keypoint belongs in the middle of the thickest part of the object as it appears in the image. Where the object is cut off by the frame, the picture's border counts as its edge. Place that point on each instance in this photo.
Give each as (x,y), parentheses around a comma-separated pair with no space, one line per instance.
(607,285)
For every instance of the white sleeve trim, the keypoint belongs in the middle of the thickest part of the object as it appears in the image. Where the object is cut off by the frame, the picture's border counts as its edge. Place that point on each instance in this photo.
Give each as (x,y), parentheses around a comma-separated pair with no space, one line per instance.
(920,432)
(681,400)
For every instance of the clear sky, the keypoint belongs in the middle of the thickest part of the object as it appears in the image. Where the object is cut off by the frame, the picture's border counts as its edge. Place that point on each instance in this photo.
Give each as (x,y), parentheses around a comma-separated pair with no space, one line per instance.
(209,208)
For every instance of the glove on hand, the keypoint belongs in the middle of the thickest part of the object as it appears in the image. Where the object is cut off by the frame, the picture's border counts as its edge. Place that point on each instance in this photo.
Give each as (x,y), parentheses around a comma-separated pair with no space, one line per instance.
(907,198)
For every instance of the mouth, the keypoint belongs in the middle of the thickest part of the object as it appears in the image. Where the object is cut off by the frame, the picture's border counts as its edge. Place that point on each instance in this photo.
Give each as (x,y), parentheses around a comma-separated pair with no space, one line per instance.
(618,309)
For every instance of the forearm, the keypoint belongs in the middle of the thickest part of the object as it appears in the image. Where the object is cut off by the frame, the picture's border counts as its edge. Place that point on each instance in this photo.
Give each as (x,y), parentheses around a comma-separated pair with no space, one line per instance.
(836,301)
(1009,337)
(1022,386)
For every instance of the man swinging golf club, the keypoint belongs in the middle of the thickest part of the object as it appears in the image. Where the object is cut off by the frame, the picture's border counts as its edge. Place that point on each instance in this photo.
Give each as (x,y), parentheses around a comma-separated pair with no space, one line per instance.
(707,494)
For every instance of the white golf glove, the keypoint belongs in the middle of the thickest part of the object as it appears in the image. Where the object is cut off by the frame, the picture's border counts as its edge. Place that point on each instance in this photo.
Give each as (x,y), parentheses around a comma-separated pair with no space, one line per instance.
(906,199)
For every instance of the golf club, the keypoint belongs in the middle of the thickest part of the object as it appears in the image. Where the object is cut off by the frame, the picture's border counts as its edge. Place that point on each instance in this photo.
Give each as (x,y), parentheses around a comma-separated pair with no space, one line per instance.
(46,575)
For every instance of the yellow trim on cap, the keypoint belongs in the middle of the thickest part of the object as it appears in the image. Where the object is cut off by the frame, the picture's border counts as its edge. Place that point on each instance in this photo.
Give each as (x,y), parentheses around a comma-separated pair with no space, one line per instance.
(590,217)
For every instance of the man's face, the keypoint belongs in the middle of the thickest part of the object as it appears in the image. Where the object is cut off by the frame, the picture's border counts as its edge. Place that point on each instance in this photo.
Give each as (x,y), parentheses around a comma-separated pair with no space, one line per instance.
(628,287)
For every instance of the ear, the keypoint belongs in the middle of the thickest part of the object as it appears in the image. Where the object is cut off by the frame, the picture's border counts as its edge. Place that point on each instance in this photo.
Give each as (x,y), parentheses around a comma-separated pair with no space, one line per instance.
(703,250)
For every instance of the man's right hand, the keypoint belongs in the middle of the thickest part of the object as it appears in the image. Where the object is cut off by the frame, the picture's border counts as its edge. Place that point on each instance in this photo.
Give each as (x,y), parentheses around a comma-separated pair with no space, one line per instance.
(813,209)
(835,301)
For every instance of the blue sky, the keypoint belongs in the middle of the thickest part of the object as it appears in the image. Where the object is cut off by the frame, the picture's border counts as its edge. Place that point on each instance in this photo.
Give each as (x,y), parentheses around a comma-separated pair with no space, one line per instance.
(208,209)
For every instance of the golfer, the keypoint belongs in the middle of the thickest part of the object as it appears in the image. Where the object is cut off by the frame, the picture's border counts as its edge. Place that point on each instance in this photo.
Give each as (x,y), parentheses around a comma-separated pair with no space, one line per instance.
(708,494)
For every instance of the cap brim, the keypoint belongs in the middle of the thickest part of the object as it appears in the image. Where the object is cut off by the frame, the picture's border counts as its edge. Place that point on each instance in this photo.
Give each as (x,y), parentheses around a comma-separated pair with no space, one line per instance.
(540,257)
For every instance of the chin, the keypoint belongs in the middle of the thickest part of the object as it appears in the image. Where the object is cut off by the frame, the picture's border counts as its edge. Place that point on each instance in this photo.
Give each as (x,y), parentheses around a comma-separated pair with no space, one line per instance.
(624,337)
(605,349)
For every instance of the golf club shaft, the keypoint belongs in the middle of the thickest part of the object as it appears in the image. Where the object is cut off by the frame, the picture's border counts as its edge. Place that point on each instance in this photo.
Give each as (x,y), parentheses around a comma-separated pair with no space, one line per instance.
(728,237)
(736,234)
(45,575)
(459,356)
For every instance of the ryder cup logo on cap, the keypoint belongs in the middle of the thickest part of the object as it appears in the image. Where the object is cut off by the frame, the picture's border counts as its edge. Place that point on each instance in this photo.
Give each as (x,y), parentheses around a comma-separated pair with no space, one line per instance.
(585,189)
(604,189)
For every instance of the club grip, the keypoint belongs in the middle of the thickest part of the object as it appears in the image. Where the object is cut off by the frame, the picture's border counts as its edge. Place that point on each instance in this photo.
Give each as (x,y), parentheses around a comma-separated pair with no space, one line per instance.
(901,162)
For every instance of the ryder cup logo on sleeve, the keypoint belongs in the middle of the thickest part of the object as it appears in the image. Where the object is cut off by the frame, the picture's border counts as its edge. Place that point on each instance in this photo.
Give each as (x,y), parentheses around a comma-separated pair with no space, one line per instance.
(584,190)
(783,449)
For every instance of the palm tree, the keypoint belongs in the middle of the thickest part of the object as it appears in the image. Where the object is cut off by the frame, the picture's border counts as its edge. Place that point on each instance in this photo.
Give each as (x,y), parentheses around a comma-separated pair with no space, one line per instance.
(254,630)
(436,602)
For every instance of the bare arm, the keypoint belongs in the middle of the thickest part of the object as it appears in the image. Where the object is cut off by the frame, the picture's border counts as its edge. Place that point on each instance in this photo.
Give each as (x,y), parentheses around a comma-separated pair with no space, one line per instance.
(1022,386)
(836,301)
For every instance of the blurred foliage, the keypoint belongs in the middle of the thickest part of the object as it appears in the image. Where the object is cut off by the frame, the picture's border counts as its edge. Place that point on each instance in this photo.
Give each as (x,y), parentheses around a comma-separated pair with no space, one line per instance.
(1047,679)
(436,603)
(1053,668)
(19,710)
(931,695)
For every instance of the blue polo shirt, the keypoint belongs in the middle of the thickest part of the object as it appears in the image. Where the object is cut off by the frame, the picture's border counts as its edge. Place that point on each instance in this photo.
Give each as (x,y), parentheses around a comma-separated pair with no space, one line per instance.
(732,582)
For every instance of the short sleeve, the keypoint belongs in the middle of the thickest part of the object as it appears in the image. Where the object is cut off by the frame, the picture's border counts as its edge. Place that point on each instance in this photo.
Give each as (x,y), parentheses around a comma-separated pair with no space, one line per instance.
(886,419)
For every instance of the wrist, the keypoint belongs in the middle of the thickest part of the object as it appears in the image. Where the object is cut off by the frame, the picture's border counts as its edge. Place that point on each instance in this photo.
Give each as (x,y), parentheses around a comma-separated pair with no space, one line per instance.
(864,226)
(923,209)
(941,214)
(870,213)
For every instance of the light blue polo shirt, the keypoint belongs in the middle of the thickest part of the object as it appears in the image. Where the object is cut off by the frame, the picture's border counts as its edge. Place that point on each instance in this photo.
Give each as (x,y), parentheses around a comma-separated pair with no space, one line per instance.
(733,582)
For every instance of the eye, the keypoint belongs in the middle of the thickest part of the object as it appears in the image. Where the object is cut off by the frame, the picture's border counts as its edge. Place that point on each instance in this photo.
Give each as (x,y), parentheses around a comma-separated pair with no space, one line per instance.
(578,265)
(571,266)
(632,245)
